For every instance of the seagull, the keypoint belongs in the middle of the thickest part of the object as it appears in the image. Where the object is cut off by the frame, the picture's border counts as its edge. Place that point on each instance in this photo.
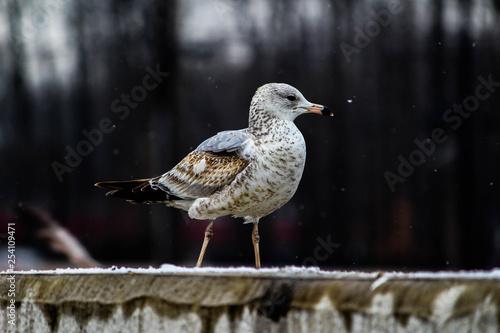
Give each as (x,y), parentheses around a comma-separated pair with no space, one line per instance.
(246,173)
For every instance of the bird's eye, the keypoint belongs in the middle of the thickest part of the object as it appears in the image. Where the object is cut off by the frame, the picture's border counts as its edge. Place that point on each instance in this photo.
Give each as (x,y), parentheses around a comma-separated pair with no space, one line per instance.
(290,98)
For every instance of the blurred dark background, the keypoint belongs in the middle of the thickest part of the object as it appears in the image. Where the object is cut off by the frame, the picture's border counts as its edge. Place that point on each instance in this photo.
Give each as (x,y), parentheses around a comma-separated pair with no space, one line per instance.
(110,90)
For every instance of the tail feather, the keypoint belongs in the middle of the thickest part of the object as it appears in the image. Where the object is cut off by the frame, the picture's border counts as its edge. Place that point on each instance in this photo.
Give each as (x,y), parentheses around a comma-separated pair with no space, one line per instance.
(136,191)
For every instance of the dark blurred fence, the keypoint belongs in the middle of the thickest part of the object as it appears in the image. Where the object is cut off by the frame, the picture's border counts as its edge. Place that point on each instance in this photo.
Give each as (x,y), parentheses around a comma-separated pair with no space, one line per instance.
(405,175)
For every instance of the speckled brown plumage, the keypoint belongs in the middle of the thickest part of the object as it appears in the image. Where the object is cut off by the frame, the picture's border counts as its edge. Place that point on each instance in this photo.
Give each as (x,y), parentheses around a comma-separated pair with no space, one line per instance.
(201,174)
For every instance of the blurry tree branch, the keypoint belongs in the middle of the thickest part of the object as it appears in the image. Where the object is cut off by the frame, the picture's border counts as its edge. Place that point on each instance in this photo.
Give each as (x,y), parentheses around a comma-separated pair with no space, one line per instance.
(42,227)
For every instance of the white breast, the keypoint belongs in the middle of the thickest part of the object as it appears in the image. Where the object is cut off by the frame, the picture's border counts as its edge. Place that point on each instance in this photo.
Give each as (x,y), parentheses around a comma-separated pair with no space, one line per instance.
(268,182)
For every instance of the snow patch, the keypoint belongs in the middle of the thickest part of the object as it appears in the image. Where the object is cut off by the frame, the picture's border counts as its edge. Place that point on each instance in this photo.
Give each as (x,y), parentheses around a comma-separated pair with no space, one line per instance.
(287,271)
(378,282)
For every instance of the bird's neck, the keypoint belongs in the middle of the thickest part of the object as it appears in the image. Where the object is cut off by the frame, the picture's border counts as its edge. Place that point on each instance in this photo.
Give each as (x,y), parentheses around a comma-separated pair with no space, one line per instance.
(261,124)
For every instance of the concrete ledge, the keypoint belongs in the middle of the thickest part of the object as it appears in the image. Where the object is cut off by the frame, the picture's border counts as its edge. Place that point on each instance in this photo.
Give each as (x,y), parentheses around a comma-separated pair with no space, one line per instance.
(174,299)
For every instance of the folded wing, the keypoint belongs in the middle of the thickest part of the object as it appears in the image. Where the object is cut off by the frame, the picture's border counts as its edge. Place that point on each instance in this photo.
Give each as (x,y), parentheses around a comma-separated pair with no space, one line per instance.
(214,164)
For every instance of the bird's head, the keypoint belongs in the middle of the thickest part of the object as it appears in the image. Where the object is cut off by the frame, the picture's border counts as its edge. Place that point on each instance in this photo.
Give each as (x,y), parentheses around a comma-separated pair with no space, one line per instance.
(282,101)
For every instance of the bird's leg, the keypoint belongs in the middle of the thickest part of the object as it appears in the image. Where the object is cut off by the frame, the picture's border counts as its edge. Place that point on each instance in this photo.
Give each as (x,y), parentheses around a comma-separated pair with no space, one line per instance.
(255,241)
(209,232)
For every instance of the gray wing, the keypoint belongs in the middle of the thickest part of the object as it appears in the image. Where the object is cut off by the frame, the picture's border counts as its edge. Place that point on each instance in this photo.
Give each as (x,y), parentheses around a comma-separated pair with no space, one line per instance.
(227,141)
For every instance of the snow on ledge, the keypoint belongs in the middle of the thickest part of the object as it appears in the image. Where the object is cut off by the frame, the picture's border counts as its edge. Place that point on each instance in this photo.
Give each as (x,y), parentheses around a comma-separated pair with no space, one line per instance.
(287,271)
